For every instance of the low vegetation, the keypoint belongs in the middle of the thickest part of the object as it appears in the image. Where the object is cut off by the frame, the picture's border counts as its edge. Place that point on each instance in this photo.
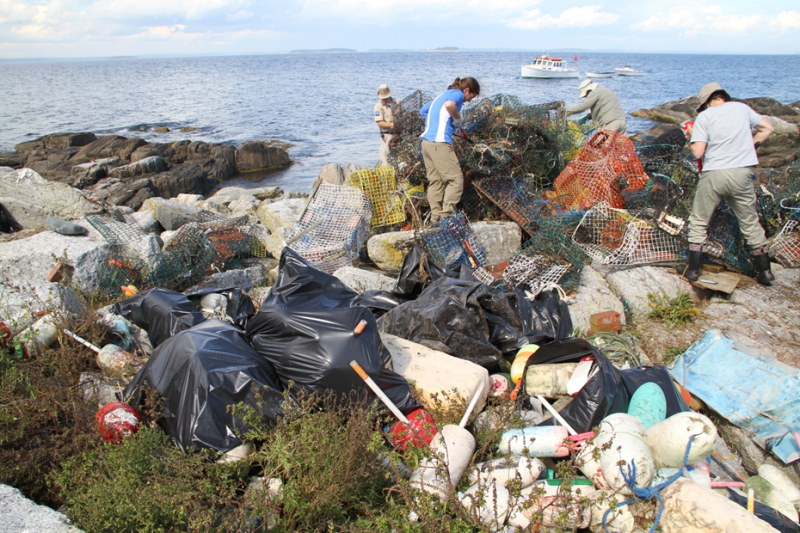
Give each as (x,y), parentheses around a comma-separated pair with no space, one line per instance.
(675,311)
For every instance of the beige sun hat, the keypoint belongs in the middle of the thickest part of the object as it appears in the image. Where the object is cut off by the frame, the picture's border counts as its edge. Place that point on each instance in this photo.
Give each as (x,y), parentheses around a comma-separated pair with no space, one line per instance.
(706,92)
(384,91)
(586,86)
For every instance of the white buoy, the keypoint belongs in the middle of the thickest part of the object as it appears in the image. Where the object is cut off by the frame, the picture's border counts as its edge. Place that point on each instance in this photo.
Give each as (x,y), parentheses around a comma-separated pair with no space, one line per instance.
(488,502)
(668,439)
(549,380)
(554,505)
(782,482)
(452,450)
(40,334)
(503,470)
(768,494)
(620,520)
(538,441)
(621,438)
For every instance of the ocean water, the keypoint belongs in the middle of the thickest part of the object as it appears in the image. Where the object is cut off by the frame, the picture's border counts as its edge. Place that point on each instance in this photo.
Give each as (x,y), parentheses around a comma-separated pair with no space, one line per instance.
(321,104)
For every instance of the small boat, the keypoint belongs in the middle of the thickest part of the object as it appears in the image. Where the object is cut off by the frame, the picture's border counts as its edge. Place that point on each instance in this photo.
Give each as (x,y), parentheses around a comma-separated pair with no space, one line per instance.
(627,70)
(546,67)
(599,74)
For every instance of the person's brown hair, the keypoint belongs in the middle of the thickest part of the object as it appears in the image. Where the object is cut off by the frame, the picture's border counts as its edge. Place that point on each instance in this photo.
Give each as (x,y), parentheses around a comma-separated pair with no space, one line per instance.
(721,93)
(467,83)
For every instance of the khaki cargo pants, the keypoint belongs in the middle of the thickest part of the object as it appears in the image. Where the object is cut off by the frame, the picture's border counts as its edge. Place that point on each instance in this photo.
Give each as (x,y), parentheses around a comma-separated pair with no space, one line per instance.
(735,185)
(445,180)
(619,126)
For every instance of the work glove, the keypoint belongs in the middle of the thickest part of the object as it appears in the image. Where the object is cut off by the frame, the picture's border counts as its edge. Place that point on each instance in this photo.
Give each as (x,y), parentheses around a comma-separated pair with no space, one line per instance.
(583,120)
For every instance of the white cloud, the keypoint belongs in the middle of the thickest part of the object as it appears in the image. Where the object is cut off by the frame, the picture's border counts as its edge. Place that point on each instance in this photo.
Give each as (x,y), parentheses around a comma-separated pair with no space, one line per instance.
(787,20)
(387,11)
(574,17)
(711,19)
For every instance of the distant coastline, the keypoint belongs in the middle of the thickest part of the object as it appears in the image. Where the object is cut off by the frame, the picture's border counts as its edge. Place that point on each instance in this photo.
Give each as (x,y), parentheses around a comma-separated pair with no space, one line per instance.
(326,51)
(443,49)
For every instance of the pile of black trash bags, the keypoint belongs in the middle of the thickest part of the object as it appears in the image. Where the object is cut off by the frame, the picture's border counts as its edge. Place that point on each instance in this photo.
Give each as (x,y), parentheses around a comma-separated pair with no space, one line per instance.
(306,332)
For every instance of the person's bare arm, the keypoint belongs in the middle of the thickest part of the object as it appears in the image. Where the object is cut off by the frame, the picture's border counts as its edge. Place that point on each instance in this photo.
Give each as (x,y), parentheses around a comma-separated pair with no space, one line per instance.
(763,130)
(384,124)
(698,149)
(452,108)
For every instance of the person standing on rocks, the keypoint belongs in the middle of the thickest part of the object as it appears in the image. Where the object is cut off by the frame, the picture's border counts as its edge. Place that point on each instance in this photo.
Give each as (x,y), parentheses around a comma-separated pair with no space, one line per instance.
(385,121)
(445,180)
(605,110)
(723,139)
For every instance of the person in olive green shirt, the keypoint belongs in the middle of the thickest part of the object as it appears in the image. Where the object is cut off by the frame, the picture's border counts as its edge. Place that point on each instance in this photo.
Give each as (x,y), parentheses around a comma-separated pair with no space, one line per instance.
(606,111)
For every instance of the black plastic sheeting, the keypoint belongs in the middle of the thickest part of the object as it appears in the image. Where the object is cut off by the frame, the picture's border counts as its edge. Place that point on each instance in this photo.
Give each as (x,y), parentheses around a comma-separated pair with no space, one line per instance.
(163,313)
(199,373)
(766,513)
(305,329)
(609,390)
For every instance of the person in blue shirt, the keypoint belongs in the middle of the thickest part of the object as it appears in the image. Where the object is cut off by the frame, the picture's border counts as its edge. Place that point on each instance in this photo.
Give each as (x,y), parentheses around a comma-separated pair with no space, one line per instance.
(445,180)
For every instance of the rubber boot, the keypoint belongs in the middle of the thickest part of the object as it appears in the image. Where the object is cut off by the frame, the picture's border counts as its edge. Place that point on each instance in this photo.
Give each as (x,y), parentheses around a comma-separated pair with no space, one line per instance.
(692,271)
(761,264)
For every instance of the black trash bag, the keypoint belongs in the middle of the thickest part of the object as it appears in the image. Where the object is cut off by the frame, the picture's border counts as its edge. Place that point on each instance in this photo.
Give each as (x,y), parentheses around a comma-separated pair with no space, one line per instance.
(633,378)
(305,329)
(766,513)
(378,301)
(8,224)
(447,317)
(162,313)
(418,272)
(603,394)
(240,306)
(199,373)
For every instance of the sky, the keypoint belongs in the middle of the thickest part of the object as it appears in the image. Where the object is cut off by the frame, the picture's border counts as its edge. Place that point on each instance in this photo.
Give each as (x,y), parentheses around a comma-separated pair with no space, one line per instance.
(107,28)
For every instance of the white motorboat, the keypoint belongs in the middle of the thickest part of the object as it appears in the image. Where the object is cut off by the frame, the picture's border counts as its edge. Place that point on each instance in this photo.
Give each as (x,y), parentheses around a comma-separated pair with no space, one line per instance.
(546,67)
(627,70)
(599,74)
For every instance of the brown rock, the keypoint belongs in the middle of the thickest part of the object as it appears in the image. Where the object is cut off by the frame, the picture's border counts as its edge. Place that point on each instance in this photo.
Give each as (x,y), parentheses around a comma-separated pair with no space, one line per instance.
(254,155)
(149,150)
(108,146)
(57,141)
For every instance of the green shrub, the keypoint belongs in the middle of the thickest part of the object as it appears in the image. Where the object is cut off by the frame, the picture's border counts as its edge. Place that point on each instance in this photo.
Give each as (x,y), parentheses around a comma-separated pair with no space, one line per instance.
(673,311)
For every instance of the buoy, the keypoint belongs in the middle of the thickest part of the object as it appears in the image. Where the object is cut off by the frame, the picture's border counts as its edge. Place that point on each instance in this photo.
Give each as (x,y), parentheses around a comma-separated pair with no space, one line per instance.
(503,470)
(40,334)
(621,438)
(129,290)
(648,404)
(782,482)
(668,439)
(539,441)
(117,421)
(557,508)
(518,366)
(500,386)
(488,502)
(620,520)
(114,360)
(417,434)
(452,450)
(549,381)
(768,494)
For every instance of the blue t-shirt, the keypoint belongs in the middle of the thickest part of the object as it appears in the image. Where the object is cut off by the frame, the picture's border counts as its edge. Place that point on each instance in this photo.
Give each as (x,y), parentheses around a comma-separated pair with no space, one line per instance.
(438,122)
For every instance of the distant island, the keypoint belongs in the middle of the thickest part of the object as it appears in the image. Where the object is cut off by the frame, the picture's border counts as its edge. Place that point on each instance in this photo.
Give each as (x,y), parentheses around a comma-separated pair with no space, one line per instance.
(443,49)
(326,51)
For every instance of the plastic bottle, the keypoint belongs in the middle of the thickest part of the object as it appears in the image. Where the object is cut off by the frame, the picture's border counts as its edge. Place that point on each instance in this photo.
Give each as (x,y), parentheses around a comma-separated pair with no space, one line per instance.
(539,441)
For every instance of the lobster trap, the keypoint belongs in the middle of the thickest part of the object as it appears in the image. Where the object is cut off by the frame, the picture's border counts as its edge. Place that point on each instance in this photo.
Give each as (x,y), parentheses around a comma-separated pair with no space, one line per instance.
(380,186)
(451,242)
(404,152)
(616,237)
(517,198)
(785,246)
(333,227)
(605,167)
(553,240)
(533,273)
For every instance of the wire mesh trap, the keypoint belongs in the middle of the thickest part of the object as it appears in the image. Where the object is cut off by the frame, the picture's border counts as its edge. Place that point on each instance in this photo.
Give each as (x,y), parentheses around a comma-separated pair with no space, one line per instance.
(534,273)
(333,227)
(517,198)
(785,246)
(380,186)
(616,237)
(452,242)
(605,167)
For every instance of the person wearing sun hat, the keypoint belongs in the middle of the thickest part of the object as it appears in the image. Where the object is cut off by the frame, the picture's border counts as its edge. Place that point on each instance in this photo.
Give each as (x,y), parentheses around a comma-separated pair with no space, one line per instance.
(385,121)
(722,139)
(605,110)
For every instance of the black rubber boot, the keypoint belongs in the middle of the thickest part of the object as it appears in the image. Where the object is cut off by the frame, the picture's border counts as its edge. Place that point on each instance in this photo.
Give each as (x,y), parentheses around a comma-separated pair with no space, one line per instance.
(762,266)
(692,271)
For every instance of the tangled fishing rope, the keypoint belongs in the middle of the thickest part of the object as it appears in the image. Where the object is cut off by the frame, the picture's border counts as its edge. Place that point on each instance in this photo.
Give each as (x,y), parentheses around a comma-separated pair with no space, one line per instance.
(650,493)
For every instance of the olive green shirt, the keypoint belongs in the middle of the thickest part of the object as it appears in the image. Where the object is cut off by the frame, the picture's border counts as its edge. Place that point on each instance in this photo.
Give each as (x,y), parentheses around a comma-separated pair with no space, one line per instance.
(604,105)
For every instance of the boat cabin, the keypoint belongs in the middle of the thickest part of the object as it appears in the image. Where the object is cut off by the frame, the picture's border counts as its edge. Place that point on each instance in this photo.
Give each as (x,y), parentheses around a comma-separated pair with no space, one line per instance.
(545,62)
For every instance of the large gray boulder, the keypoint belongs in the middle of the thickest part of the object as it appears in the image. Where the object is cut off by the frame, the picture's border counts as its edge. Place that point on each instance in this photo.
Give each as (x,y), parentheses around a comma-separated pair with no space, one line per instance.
(20,303)
(21,515)
(254,155)
(635,283)
(30,260)
(87,174)
(593,296)
(31,199)
(389,250)
(280,218)
(148,165)
(500,240)
(332,173)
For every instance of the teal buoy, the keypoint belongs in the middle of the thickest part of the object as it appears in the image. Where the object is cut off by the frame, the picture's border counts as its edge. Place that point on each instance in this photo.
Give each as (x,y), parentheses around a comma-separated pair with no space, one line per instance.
(648,404)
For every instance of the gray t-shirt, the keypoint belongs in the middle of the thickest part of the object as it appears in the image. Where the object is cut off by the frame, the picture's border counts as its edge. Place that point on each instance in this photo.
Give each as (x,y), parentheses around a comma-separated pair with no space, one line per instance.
(727,129)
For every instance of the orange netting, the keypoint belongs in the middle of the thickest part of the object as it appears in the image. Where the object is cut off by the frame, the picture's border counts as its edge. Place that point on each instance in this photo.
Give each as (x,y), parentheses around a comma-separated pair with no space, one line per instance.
(605,166)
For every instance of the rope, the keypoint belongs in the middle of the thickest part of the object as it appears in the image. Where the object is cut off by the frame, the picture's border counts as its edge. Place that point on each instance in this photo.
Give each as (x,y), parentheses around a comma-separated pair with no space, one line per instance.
(649,493)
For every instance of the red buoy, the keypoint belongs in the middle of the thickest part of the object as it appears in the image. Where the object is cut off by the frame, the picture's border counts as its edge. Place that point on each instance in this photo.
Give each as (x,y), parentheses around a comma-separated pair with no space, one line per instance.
(576,58)
(419,434)
(117,421)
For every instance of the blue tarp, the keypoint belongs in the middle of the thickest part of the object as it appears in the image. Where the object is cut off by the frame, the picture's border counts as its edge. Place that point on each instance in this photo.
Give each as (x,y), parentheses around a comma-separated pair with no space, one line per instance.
(753,391)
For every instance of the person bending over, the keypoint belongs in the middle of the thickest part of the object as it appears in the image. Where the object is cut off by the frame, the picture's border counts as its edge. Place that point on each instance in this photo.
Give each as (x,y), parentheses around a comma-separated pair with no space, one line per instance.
(722,138)
(605,109)
(445,180)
